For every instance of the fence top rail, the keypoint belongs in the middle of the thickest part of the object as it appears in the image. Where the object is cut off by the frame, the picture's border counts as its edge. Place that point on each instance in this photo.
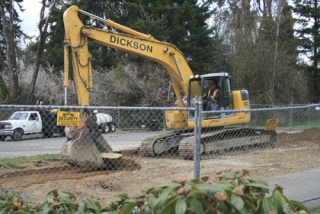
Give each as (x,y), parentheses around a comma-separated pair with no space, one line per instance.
(39,107)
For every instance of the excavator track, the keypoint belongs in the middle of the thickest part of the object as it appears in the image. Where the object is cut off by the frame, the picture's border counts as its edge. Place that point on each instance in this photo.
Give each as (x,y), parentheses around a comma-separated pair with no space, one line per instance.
(161,143)
(216,142)
(227,141)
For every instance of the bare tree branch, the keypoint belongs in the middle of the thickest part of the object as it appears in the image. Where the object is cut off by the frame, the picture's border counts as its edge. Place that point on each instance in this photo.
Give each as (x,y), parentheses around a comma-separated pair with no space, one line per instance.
(43,28)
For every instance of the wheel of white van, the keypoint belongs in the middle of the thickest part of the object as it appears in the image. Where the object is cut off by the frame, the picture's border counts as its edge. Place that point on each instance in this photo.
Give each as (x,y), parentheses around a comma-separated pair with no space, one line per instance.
(112,127)
(62,133)
(105,128)
(17,135)
(2,137)
(47,134)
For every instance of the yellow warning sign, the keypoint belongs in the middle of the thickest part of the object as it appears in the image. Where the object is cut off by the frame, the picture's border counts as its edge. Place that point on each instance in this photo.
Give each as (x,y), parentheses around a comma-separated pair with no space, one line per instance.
(272,124)
(66,118)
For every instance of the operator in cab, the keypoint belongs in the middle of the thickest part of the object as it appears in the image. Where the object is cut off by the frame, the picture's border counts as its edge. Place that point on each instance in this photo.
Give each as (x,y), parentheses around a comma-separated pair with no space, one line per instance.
(212,99)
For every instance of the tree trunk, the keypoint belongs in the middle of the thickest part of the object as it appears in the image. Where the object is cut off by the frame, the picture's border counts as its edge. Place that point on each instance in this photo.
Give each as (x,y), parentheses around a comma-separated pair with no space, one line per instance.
(8,32)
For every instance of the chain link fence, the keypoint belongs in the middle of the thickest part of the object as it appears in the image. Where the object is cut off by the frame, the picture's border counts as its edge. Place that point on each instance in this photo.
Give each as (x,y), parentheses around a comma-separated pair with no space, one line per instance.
(131,148)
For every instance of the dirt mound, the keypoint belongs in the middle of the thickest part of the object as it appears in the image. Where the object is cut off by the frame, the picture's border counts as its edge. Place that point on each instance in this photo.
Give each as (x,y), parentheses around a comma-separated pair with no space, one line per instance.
(299,138)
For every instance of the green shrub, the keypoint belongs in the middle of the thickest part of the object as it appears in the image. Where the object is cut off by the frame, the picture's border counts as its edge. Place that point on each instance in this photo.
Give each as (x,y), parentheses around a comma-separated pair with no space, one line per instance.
(228,192)
(11,202)
(57,202)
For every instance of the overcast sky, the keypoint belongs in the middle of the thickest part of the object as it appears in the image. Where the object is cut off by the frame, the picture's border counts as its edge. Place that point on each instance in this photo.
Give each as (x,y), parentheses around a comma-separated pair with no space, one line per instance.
(30,16)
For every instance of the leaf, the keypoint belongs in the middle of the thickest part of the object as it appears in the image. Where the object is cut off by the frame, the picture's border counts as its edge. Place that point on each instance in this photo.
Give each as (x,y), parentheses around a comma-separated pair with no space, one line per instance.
(259,185)
(196,205)
(63,207)
(278,201)
(81,208)
(50,198)
(23,210)
(228,207)
(127,208)
(170,205)
(141,195)
(196,193)
(235,182)
(223,208)
(237,201)
(257,180)
(294,205)
(92,205)
(131,200)
(44,209)
(80,212)
(181,206)
(204,201)
(152,203)
(67,196)
(267,205)
(164,196)
(212,187)
(5,207)
(124,196)
(82,205)
(170,184)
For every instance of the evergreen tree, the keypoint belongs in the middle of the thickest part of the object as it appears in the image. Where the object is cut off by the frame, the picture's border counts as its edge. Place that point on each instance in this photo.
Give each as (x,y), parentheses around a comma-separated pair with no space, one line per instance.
(291,81)
(308,34)
(53,52)
(102,56)
(182,23)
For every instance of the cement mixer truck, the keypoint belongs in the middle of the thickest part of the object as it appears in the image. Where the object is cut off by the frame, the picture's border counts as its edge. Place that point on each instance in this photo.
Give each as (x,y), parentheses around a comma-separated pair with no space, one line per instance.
(104,122)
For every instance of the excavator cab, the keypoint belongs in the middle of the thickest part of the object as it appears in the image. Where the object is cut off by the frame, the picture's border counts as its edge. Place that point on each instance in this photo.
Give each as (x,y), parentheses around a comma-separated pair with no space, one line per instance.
(200,85)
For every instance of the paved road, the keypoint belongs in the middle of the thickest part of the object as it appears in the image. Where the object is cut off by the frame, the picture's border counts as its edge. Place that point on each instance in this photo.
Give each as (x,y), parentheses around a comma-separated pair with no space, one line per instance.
(36,144)
(30,146)
(303,187)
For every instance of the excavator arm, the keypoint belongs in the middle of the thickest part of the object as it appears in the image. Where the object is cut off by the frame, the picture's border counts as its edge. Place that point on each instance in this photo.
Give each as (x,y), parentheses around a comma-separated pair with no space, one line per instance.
(129,40)
(77,36)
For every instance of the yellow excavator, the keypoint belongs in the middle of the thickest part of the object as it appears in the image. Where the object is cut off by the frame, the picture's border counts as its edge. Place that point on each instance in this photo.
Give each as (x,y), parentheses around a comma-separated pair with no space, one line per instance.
(122,38)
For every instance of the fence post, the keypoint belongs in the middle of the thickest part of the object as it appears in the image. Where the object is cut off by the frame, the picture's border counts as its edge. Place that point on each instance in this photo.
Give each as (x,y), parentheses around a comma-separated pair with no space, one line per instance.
(309,115)
(118,124)
(197,136)
(290,116)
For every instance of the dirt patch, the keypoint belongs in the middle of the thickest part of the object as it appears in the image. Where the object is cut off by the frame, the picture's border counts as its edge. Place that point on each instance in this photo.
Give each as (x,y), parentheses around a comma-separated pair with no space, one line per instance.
(294,152)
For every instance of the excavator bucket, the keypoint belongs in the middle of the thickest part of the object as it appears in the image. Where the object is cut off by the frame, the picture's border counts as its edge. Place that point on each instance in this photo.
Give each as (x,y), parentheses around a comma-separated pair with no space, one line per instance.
(88,149)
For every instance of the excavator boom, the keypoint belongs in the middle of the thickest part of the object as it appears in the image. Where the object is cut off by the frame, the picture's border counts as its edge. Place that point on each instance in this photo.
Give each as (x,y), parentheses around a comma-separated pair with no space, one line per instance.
(130,41)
